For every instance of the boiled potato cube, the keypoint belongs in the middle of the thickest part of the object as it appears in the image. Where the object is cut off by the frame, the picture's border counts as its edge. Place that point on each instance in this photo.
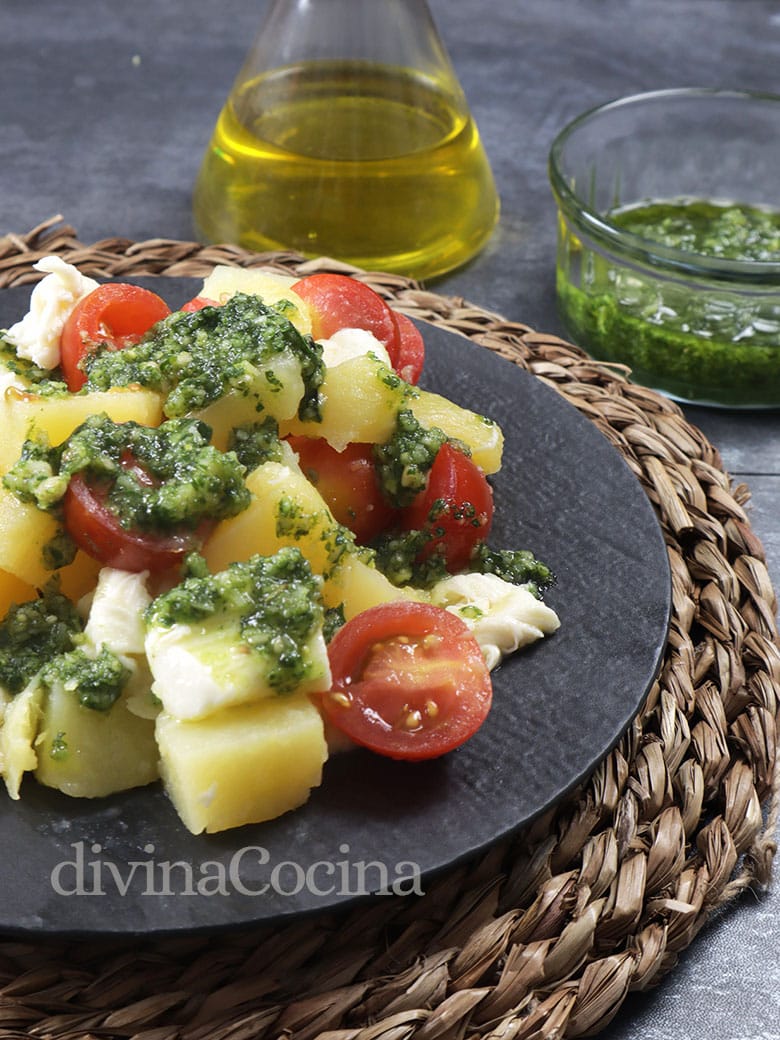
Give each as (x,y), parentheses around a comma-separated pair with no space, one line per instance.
(277,393)
(79,577)
(76,580)
(89,754)
(361,400)
(24,531)
(58,417)
(483,436)
(286,510)
(224,282)
(246,764)
(355,586)
(13,590)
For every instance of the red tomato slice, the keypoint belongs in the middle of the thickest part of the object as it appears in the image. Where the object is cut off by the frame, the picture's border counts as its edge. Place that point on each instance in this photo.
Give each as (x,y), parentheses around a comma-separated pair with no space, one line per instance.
(197,303)
(339,302)
(411,350)
(456,506)
(348,482)
(409,681)
(112,316)
(97,530)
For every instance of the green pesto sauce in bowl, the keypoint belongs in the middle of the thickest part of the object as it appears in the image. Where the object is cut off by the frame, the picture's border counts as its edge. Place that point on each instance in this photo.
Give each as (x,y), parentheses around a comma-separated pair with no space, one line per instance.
(709,341)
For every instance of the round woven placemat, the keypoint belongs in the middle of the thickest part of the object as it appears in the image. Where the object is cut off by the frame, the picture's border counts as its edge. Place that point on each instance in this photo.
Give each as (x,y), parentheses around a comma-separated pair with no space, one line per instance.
(545,935)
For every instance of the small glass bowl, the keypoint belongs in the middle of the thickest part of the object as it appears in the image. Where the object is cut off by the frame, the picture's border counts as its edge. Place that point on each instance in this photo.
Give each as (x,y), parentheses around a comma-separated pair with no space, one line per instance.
(697,327)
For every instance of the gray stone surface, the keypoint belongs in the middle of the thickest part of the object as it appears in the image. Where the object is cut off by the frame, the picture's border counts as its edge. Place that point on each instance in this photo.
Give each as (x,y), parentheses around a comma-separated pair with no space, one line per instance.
(106,108)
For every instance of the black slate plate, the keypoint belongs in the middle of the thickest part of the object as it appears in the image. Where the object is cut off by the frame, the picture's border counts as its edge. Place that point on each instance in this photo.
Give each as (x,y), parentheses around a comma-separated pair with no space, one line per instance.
(126,865)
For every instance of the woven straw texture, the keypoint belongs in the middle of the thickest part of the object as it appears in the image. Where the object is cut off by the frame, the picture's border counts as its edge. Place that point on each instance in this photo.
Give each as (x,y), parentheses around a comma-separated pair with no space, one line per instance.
(544,936)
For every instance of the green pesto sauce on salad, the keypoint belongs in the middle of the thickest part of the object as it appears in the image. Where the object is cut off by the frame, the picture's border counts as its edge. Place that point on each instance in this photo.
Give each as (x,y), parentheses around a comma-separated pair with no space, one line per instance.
(153,477)
(404,461)
(40,640)
(195,358)
(404,559)
(701,342)
(27,372)
(275,602)
(256,443)
(96,680)
(32,634)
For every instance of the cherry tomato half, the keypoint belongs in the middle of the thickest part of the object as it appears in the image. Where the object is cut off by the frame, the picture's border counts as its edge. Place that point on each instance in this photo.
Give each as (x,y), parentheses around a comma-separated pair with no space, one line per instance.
(97,530)
(347,481)
(409,681)
(113,316)
(456,507)
(197,303)
(409,360)
(339,302)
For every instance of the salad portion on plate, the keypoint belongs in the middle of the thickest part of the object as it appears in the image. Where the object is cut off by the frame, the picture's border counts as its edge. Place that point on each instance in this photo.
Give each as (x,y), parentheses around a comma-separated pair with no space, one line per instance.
(236,538)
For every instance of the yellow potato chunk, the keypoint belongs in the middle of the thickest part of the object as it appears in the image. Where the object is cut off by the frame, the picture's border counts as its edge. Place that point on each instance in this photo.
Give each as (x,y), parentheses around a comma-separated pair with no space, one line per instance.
(90,754)
(272,288)
(79,577)
(361,400)
(246,764)
(13,590)
(24,531)
(280,397)
(355,586)
(483,436)
(286,510)
(58,417)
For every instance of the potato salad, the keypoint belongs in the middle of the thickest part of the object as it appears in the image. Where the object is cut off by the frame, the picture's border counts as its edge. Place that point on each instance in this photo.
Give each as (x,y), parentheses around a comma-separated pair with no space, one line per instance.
(238,537)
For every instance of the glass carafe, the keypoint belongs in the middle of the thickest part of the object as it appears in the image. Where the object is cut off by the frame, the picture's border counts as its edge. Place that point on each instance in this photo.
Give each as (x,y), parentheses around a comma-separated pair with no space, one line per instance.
(347,134)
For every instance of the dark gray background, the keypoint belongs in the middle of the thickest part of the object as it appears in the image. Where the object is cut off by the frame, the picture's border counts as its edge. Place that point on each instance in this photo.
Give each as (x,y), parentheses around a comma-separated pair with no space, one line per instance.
(107,106)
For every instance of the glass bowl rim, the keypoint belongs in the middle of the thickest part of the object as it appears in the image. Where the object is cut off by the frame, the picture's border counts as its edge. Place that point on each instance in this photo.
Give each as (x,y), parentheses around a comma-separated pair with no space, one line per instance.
(633,246)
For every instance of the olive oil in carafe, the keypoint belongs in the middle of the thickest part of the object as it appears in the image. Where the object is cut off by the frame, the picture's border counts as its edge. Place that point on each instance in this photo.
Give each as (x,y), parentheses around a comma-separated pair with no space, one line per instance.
(374,165)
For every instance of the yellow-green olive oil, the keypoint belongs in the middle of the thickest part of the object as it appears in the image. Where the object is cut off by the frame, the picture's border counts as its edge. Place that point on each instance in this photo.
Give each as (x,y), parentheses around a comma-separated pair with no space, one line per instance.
(374,165)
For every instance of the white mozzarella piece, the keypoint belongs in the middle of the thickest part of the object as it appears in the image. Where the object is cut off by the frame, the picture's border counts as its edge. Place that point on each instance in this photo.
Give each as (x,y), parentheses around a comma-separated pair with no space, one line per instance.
(351,343)
(503,617)
(116,613)
(37,336)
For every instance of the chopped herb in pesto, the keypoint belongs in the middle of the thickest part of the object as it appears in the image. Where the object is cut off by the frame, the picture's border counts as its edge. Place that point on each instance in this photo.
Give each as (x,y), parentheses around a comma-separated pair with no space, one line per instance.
(154,477)
(59,747)
(270,604)
(196,358)
(97,681)
(28,373)
(256,443)
(59,551)
(33,633)
(194,566)
(404,462)
(333,620)
(294,523)
(518,566)
(403,558)
(400,557)
(41,638)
